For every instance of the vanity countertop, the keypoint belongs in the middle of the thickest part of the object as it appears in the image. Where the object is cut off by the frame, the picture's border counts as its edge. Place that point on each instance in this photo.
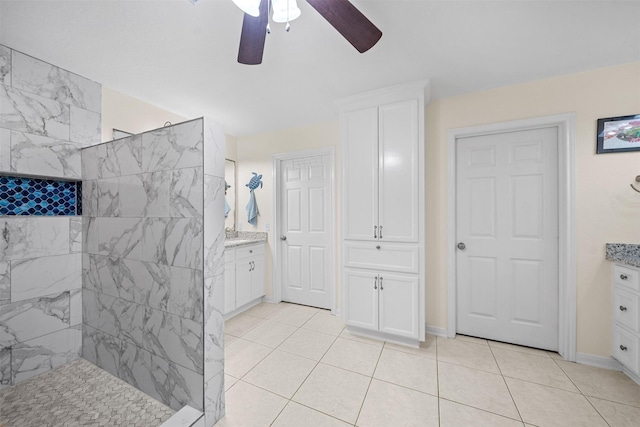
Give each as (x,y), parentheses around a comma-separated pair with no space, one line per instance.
(244,238)
(623,253)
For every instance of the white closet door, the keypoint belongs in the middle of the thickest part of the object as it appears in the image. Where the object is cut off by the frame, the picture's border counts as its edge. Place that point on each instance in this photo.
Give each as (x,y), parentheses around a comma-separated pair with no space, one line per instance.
(399,173)
(361,165)
(507,219)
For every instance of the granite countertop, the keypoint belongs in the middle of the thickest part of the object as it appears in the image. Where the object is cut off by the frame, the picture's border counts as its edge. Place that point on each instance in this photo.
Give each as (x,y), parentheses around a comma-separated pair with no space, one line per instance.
(623,253)
(235,239)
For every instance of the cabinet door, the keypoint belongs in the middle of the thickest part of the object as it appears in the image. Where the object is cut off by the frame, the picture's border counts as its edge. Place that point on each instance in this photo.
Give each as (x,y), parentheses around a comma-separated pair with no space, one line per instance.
(257,278)
(399,172)
(243,282)
(361,298)
(360,145)
(229,287)
(399,305)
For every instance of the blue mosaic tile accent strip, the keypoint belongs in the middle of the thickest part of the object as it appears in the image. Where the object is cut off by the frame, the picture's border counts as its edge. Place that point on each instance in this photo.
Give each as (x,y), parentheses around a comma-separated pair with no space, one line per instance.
(33,196)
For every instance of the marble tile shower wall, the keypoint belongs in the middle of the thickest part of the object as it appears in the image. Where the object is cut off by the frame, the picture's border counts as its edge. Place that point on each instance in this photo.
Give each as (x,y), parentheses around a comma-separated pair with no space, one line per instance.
(143,307)
(214,186)
(47,115)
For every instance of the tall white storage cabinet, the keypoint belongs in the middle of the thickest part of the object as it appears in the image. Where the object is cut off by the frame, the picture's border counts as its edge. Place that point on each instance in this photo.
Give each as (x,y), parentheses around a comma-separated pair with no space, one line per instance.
(382,137)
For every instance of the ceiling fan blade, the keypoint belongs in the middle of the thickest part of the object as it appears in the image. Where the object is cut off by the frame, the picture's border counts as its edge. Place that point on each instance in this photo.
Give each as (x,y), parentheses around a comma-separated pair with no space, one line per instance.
(349,21)
(252,38)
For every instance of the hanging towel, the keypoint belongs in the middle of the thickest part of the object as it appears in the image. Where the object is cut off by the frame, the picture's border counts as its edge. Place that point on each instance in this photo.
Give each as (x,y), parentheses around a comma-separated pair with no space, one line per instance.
(252,209)
(227,208)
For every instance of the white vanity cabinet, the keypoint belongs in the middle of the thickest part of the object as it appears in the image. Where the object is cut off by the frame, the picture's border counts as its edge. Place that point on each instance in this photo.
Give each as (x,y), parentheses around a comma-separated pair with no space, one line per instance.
(244,276)
(626,318)
(382,138)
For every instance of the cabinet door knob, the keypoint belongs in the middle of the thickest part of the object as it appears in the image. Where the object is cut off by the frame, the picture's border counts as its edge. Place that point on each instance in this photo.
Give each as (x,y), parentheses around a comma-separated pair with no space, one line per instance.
(624,277)
(381,232)
(378,247)
(381,288)
(623,348)
(623,308)
(375,231)
(375,283)
(250,251)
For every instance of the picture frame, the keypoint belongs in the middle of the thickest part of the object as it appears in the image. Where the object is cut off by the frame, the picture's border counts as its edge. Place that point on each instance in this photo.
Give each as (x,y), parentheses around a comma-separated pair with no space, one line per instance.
(618,134)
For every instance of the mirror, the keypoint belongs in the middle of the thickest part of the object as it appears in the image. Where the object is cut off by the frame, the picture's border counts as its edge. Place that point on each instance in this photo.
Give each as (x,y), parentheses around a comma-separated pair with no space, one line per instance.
(230,194)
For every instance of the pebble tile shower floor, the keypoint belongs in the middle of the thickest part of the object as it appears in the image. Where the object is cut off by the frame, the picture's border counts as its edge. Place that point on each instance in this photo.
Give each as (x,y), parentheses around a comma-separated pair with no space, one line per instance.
(79,394)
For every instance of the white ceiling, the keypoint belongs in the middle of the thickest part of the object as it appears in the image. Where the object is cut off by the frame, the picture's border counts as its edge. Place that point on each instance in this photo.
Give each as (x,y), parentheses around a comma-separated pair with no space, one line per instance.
(182,57)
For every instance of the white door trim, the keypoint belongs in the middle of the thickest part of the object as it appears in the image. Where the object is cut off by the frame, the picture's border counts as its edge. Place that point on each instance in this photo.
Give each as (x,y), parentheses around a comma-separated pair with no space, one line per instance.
(276,273)
(566,219)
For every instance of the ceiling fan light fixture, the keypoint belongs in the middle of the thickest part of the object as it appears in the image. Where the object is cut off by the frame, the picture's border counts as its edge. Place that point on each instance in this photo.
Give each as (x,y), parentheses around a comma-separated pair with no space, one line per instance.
(285,10)
(250,7)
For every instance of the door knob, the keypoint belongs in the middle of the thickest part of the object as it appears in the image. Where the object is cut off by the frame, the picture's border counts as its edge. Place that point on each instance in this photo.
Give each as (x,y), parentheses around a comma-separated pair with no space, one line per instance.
(462,246)
(283,237)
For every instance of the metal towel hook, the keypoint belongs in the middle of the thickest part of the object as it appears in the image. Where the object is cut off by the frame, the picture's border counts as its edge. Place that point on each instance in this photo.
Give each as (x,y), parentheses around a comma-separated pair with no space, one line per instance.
(633,186)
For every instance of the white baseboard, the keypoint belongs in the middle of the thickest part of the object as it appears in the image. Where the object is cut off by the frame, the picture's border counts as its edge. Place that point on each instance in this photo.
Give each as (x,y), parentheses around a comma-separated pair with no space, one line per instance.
(434,330)
(633,376)
(598,361)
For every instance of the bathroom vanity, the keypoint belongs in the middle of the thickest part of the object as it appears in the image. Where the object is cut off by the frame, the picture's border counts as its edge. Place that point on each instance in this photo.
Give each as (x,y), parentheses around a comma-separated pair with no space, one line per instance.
(625,308)
(244,273)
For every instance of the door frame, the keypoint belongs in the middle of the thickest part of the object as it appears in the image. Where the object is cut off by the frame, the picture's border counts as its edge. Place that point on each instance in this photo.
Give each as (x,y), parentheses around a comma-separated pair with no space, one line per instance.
(276,276)
(565,124)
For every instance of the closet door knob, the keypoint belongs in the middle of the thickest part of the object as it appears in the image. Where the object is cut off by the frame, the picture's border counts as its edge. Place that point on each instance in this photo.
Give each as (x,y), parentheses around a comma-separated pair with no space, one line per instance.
(623,348)
(461,246)
(623,308)
(624,277)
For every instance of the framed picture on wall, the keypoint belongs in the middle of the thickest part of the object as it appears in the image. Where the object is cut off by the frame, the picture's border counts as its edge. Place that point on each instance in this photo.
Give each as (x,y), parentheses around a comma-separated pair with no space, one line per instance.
(617,134)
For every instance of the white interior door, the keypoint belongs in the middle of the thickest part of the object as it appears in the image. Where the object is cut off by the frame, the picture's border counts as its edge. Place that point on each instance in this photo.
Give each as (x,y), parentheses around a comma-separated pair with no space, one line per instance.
(507,220)
(305,226)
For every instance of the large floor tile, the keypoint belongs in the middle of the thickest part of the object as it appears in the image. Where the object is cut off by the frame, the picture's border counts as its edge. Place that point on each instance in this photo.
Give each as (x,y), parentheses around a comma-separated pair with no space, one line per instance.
(247,405)
(519,348)
(281,373)
(472,339)
(334,391)
(617,414)
(270,333)
(296,415)
(353,337)
(547,406)
(453,414)
(228,339)
(392,405)
(408,370)
(295,315)
(532,367)
(266,310)
(466,353)
(308,343)
(239,325)
(603,383)
(353,356)
(325,322)
(229,381)
(241,356)
(480,389)
(427,347)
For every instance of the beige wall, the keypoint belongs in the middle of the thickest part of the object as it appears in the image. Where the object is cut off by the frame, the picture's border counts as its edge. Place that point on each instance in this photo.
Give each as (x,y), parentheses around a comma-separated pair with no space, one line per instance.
(131,115)
(255,154)
(607,210)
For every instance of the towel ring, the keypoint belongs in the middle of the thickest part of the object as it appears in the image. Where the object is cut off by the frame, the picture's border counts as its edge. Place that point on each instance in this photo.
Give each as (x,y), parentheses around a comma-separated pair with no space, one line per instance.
(633,186)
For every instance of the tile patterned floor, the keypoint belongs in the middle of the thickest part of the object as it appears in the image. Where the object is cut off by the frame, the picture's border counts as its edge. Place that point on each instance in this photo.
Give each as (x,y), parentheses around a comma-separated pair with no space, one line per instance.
(290,365)
(79,394)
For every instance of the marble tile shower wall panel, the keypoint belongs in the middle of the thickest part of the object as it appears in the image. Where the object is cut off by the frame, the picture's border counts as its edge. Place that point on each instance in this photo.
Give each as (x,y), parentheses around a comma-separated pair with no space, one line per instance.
(143,281)
(47,115)
(214,143)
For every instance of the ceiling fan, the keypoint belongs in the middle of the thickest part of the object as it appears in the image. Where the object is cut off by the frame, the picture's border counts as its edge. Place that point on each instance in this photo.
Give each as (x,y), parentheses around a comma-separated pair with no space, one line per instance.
(341,14)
